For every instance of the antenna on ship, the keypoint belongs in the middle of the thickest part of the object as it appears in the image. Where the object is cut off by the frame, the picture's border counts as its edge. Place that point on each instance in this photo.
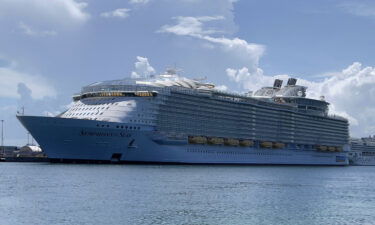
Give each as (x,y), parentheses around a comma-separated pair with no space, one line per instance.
(173,70)
(200,78)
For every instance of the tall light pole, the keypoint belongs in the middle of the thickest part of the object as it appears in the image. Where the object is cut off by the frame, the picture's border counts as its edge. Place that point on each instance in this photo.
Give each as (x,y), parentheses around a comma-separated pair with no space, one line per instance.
(2,137)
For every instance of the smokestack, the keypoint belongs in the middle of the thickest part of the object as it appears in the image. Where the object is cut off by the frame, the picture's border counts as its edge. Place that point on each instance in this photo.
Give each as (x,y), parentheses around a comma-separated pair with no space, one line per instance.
(292,81)
(277,83)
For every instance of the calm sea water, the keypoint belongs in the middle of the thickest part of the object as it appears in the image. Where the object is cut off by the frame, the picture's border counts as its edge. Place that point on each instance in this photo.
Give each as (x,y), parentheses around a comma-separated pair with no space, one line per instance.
(42,193)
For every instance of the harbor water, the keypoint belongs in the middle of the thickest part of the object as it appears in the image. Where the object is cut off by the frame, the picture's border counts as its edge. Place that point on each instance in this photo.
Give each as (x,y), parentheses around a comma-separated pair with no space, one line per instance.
(44,194)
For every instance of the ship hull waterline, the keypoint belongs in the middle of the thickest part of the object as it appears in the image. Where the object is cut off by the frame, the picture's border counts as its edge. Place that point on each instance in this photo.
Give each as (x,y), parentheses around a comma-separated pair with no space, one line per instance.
(77,140)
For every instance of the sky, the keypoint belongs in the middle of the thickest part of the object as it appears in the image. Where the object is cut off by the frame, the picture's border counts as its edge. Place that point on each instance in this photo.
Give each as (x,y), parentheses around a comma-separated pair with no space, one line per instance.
(49,49)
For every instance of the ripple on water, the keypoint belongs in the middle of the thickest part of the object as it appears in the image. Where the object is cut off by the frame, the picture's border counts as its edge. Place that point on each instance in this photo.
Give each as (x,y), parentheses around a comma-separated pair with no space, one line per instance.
(32,193)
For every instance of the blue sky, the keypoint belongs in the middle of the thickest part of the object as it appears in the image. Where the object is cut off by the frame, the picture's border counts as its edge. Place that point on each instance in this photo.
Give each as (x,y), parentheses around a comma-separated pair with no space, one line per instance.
(309,37)
(50,49)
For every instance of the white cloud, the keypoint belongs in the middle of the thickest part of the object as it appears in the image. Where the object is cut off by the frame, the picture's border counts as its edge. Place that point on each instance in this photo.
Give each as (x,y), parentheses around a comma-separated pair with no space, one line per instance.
(351,92)
(28,30)
(221,88)
(247,53)
(62,12)
(359,8)
(142,68)
(11,79)
(191,26)
(119,13)
(252,80)
(139,2)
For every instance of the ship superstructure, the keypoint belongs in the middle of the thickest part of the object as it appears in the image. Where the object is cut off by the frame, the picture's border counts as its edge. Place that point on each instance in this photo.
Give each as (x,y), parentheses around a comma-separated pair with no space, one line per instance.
(362,151)
(173,119)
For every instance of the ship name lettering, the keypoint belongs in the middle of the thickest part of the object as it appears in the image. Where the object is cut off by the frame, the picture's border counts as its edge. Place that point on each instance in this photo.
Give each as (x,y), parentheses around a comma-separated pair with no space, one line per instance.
(103,134)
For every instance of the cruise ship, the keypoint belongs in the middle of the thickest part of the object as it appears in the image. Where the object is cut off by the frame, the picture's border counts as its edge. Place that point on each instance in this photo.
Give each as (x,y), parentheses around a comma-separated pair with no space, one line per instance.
(168,118)
(362,151)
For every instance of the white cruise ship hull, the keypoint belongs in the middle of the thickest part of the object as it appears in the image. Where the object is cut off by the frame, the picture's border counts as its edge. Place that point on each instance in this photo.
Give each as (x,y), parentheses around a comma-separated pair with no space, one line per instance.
(64,139)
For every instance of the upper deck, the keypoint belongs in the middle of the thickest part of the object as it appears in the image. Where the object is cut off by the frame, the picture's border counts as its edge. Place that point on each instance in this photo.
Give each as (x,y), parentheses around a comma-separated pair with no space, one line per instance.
(290,97)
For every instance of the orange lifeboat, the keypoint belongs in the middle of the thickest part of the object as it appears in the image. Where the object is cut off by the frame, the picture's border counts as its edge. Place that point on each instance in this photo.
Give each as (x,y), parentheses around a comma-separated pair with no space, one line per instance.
(331,149)
(266,144)
(278,145)
(197,140)
(322,148)
(246,143)
(215,141)
(231,142)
